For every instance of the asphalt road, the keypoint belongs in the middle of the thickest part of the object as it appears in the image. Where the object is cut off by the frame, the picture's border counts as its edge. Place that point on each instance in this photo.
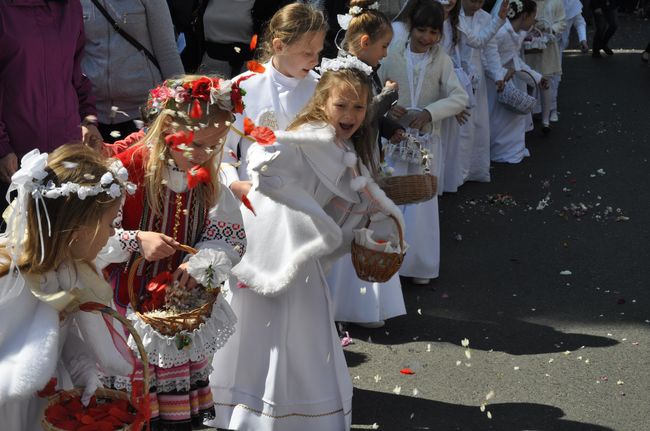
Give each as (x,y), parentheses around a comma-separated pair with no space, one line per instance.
(545,271)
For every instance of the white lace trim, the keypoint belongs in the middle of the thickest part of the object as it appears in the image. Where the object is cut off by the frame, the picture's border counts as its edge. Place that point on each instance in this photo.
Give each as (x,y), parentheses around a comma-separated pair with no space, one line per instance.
(209,337)
(124,382)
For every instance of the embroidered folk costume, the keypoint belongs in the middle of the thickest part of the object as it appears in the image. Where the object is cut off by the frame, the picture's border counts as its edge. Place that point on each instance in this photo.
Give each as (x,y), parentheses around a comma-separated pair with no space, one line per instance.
(181,396)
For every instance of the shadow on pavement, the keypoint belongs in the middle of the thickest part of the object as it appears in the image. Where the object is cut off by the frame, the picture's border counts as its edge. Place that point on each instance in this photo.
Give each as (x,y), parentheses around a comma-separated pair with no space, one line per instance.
(516,337)
(399,413)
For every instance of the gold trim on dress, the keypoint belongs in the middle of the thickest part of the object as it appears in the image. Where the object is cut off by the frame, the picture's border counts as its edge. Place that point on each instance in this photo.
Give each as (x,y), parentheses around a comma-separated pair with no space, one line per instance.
(302,415)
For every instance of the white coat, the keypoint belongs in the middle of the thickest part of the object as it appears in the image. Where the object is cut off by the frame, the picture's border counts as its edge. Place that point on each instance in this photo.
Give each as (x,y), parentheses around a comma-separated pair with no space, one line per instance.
(443,96)
(284,368)
(551,20)
(35,346)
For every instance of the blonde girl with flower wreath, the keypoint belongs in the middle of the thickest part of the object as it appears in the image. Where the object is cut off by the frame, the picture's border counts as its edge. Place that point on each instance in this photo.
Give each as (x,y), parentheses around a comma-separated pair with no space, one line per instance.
(61,219)
(368,33)
(279,86)
(179,201)
(286,369)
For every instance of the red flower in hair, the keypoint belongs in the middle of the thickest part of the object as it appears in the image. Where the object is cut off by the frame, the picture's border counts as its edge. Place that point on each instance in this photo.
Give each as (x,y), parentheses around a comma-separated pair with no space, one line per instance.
(197,175)
(161,93)
(201,87)
(178,138)
(236,97)
(195,111)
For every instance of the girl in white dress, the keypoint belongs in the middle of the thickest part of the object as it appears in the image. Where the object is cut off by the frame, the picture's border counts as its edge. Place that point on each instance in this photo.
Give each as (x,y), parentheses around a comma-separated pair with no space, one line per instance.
(430,93)
(63,216)
(550,19)
(284,368)
(368,34)
(480,56)
(280,87)
(507,128)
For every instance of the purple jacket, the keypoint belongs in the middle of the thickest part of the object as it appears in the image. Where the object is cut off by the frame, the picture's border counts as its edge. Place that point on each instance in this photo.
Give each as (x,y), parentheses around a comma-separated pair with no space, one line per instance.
(43,94)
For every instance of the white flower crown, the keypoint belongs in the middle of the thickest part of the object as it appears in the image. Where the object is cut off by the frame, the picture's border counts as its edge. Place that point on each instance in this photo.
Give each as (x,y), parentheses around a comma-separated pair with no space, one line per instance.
(344,20)
(32,172)
(519,6)
(344,62)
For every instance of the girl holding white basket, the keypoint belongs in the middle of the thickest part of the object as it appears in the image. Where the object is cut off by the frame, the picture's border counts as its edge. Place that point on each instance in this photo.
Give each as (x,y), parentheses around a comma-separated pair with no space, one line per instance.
(430,93)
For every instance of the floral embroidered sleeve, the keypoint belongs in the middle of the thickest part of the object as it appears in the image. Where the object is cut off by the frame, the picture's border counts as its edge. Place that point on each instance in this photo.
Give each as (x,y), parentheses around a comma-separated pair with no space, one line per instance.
(120,246)
(224,228)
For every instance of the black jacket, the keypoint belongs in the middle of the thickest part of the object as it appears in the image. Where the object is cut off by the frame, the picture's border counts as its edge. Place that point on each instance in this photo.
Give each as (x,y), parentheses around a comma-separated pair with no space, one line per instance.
(187,16)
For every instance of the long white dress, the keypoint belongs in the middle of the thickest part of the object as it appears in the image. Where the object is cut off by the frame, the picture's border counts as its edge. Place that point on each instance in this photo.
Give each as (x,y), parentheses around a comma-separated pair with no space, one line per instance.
(284,368)
(356,300)
(480,55)
(452,175)
(35,346)
(442,95)
(507,128)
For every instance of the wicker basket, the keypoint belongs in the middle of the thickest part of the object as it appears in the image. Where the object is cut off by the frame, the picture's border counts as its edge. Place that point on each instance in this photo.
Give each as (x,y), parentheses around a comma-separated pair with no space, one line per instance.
(516,100)
(105,393)
(170,325)
(409,189)
(377,266)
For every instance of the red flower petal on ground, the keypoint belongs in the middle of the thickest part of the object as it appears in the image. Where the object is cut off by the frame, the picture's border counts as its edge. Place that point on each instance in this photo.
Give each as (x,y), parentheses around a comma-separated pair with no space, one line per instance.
(254,66)
(407,371)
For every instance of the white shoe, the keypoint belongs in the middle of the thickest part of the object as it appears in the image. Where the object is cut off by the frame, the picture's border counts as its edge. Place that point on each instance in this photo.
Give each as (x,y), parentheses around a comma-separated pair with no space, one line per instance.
(555,117)
(371,325)
(417,280)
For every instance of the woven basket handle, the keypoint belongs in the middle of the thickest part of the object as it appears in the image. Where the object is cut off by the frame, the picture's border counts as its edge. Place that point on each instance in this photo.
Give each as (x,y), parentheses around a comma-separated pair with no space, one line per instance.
(133,297)
(93,306)
(531,77)
(399,231)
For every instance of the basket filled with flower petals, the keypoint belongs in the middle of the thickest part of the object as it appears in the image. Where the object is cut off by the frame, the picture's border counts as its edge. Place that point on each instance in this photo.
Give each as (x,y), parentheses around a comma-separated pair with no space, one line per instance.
(170,309)
(108,409)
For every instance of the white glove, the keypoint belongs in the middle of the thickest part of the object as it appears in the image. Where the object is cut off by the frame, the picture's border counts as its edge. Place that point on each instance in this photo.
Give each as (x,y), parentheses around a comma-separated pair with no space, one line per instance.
(81,365)
(90,387)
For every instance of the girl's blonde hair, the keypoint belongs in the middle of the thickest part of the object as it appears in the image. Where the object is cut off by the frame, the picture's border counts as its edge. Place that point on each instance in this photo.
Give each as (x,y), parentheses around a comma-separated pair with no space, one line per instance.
(159,154)
(289,24)
(314,112)
(73,163)
(370,22)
